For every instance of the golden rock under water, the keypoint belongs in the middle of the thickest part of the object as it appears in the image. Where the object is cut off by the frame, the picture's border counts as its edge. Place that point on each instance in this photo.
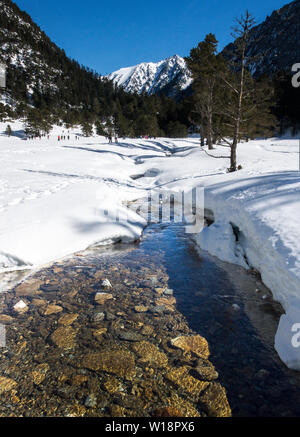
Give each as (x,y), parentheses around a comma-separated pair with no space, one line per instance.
(193,343)
(149,353)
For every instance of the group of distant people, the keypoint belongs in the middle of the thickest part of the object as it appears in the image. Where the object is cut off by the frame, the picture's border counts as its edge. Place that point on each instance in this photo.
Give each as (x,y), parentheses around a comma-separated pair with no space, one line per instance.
(67,136)
(63,137)
(147,137)
(36,137)
(110,139)
(59,137)
(77,138)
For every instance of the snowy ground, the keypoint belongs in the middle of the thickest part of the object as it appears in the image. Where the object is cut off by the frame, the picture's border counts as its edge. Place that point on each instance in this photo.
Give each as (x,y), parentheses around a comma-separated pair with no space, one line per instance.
(57,198)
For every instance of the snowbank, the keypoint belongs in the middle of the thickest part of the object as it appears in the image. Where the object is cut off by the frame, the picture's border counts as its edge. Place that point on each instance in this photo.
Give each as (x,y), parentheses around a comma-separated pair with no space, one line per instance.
(57,198)
(256,218)
(60,197)
(257,223)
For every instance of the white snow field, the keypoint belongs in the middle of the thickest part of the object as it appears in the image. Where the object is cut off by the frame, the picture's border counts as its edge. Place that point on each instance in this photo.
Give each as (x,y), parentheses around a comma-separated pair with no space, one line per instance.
(57,198)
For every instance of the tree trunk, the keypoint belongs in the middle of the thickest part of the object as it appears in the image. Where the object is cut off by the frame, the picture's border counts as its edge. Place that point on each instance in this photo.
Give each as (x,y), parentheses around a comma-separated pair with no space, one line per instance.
(202,142)
(245,26)
(209,132)
(209,142)
(210,120)
(233,163)
(233,166)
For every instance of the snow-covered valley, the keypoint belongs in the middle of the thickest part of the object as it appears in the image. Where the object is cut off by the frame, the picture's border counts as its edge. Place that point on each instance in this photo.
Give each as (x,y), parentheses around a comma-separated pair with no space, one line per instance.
(57,198)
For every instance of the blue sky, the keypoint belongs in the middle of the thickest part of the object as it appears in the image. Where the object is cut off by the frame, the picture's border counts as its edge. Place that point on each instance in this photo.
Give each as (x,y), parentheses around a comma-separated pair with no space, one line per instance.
(108,35)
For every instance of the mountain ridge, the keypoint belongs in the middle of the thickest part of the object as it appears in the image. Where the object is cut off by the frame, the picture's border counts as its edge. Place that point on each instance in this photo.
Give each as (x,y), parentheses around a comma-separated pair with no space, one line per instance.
(273,44)
(170,76)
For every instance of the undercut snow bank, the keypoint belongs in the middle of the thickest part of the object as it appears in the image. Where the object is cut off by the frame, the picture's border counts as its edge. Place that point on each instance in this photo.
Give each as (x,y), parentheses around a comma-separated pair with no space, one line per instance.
(219,240)
(266,211)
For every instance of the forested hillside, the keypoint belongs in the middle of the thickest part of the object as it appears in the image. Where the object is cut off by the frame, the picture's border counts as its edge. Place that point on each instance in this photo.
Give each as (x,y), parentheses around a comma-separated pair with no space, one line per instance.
(45,86)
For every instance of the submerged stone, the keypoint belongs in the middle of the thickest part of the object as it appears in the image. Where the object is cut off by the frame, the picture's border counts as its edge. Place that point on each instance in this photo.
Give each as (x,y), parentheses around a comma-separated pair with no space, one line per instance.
(6,384)
(106,284)
(194,343)
(205,370)
(150,354)
(109,316)
(90,401)
(168,412)
(117,411)
(75,369)
(185,407)
(147,330)
(5,319)
(112,385)
(98,333)
(101,298)
(67,319)
(38,302)
(53,309)
(98,317)
(161,309)
(79,379)
(117,362)
(141,309)
(39,374)
(64,337)
(167,302)
(130,336)
(214,401)
(29,288)
(181,378)
(21,307)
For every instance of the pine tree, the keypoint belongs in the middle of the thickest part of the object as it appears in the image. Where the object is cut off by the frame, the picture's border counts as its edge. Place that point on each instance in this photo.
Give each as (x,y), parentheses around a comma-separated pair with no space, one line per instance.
(100,129)
(38,123)
(87,129)
(239,84)
(122,126)
(96,106)
(175,129)
(205,66)
(246,102)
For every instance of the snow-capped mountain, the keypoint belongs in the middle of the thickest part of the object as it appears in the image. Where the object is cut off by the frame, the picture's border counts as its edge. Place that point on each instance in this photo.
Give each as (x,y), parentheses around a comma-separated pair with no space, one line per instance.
(274,47)
(170,77)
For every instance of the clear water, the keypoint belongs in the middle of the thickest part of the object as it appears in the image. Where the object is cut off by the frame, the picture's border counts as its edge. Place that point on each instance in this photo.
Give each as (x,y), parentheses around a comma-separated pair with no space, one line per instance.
(225,304)
(241,341)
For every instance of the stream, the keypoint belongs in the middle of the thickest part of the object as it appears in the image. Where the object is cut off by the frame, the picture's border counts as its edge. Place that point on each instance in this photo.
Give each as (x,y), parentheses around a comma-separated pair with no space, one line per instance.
(235,312)
(225,304)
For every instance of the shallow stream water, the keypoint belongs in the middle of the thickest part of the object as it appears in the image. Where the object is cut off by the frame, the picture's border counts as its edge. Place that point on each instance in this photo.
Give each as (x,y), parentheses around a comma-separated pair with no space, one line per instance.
(228,306)
(235,312)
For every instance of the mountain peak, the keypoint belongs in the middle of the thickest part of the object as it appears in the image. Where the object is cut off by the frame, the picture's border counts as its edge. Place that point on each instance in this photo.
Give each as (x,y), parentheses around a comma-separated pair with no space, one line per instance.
(170,77)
